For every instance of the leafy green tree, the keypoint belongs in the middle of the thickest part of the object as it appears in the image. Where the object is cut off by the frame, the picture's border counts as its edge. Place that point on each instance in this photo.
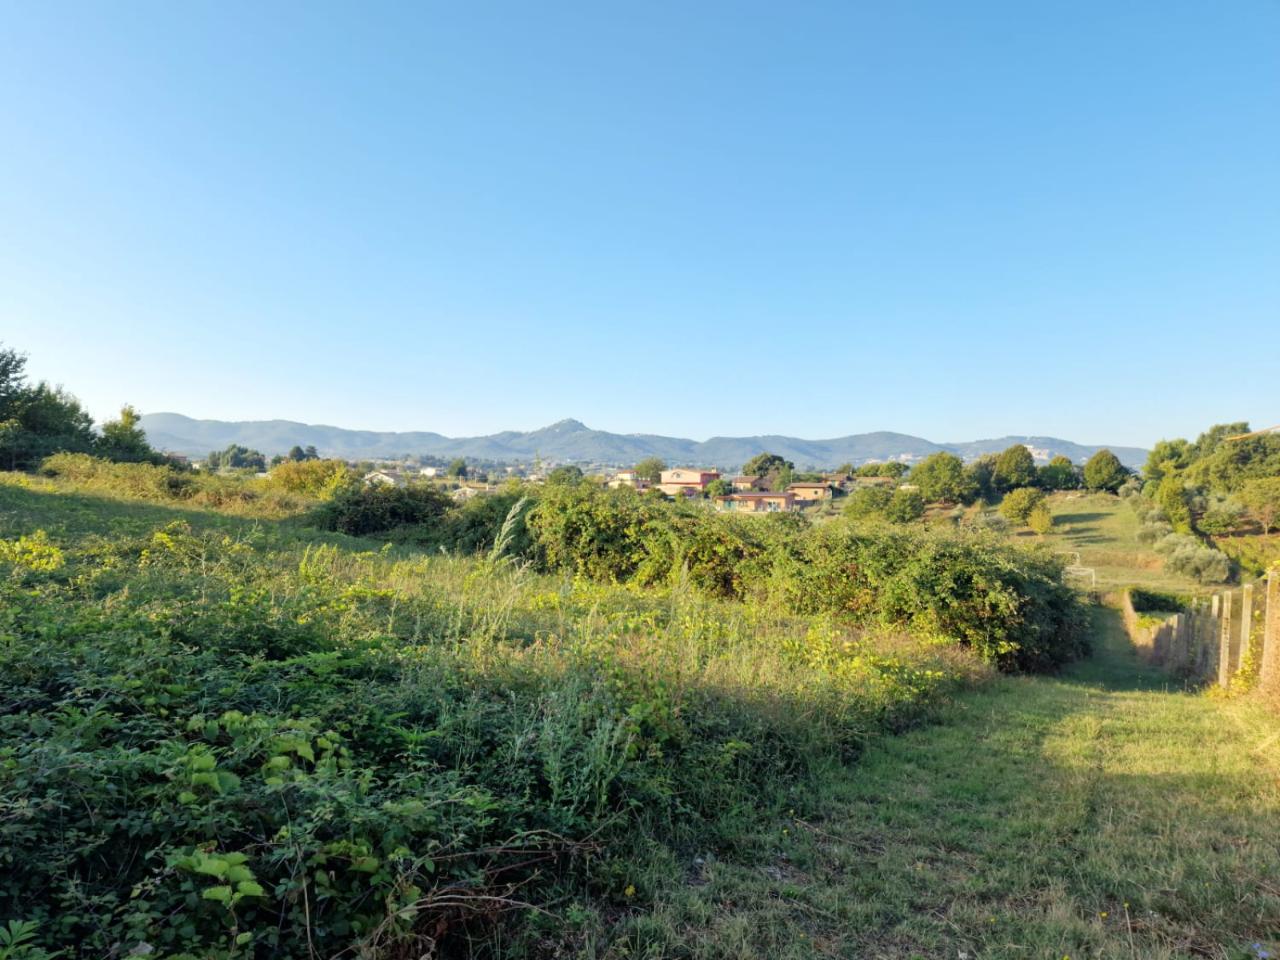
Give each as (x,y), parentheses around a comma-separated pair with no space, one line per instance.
(236,457)
(1231,464)
(905,506)
(865,502)
(981,474)
(650,469)
(891,468)
(1174,502)
(718,487)
(1017,504)
(845,470)
(13,380)
(1104,471)
(1261,496)
(1015,468)
(1059,474)
(124,441)
(764,464)
(565,475)
(1209,441)
(1167,456)
(298,454)
(43,420)
(1223,518)
(941,479)
(458,468)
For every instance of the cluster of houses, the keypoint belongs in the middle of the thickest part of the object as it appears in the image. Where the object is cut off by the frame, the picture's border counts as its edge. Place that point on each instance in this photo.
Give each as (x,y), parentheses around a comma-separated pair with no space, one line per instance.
(399,476)
(749,493)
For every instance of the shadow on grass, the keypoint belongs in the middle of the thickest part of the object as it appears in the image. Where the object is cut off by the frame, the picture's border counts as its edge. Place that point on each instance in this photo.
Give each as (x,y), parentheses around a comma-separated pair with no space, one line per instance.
(1115,663)
(1077,518)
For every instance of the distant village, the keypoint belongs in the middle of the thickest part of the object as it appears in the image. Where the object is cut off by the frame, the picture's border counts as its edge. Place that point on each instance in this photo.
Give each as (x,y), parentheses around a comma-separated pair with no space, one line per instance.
(776,489)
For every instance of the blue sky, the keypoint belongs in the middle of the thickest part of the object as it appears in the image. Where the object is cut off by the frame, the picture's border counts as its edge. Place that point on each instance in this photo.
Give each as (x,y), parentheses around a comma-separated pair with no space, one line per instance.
(953,220)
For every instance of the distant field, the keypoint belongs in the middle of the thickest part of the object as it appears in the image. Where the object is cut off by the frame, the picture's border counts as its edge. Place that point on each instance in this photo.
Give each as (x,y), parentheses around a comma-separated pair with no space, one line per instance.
(1103,530)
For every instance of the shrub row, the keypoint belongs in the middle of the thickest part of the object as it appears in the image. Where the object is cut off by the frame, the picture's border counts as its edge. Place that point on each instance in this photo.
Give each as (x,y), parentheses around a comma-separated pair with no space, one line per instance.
(1009,604)
(214,748)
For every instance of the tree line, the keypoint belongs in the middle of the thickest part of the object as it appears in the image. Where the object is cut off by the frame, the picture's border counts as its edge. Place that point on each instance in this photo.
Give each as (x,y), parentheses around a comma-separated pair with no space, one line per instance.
(39,419)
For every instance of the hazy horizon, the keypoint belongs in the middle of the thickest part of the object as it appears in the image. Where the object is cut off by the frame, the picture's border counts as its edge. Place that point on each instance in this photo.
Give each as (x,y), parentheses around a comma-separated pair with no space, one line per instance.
(1085,441)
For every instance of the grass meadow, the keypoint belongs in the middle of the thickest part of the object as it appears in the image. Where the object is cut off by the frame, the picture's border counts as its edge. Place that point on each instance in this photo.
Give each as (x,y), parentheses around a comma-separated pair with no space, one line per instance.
(225,734)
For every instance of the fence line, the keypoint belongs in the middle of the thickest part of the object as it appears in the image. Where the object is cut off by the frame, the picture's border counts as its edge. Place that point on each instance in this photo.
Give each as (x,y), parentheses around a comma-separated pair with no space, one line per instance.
(1234,637)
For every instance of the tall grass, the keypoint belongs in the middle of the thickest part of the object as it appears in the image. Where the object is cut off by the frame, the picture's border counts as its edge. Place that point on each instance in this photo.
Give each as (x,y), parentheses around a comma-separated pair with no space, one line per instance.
(218,741)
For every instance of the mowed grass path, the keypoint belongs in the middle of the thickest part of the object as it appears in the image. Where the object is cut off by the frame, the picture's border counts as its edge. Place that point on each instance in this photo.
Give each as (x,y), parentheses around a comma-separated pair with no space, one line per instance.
(1096,814)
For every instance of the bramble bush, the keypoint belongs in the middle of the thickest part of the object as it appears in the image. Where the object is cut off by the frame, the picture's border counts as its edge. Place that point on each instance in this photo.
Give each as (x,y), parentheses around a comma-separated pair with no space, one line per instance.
(1010,604)
(218,746)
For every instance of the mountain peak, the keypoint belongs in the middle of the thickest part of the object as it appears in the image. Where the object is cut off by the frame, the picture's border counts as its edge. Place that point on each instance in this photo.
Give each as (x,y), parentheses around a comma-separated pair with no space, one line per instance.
(568,425)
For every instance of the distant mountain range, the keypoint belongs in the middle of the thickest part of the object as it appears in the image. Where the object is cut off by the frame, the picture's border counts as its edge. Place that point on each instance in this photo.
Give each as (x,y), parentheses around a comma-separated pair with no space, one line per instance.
(570,440)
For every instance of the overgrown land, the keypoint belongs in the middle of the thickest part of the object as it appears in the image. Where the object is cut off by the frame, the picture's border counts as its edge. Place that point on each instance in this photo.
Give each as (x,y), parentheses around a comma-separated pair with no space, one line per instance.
(307,717)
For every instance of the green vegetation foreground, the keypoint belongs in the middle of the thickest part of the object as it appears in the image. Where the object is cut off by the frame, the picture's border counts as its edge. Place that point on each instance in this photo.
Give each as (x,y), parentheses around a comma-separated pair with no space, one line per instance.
(231,737)
(1099,814)
(224,737)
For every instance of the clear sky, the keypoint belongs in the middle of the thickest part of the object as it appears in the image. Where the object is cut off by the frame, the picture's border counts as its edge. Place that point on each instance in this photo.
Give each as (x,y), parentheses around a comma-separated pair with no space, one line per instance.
(953,220)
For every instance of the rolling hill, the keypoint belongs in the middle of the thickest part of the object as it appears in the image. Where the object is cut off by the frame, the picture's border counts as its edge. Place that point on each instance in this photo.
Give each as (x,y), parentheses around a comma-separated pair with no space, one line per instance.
(570,440)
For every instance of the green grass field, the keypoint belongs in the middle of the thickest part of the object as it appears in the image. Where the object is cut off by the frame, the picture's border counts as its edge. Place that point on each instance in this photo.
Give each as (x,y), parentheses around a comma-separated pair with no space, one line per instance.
(1102,529)
(1099,814)
(774,808)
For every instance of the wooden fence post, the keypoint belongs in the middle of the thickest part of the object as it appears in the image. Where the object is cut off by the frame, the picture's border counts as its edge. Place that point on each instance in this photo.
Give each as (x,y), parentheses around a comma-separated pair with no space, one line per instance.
(1270,675)
(1246,625)
(1224,643)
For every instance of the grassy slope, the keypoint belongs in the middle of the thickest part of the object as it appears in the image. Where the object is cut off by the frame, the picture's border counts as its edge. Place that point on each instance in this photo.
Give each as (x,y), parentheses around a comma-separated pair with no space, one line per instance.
(1098,814)
(1103,529)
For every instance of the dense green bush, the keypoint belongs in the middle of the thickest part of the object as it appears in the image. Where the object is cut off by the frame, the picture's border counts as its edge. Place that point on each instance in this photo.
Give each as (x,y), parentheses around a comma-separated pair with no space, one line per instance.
(1202,563)
(312,477)
(360,509)
(1186,555)
(1017,504)
(1153,531)
(1040,518)
(904,506)
(1009,604)
(867,502)
(216,746)
(1155,601)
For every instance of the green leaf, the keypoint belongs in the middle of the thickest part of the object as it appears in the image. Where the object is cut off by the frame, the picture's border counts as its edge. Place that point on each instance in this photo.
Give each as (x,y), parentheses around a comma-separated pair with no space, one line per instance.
(221,893)
(250,888)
